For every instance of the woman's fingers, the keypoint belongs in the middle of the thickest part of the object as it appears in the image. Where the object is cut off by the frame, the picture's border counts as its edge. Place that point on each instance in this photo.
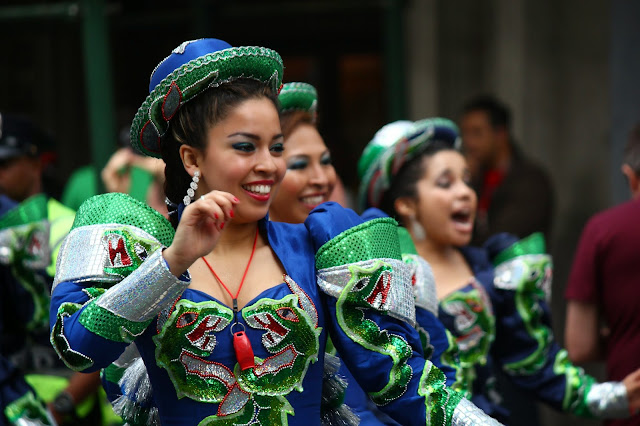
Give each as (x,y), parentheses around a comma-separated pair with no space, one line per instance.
(225,201)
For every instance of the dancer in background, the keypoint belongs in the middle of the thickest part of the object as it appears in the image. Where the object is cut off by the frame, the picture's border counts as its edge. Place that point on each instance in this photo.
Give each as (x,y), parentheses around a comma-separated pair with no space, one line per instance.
(492,299)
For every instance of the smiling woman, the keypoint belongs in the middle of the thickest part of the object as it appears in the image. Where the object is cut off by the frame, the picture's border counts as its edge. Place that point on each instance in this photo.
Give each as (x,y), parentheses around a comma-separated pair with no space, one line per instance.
(310,177)
(230,312)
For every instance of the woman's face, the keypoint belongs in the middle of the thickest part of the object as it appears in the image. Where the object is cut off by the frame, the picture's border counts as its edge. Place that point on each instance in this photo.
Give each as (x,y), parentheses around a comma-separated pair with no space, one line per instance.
(244,157)
(446,204)
(310,176)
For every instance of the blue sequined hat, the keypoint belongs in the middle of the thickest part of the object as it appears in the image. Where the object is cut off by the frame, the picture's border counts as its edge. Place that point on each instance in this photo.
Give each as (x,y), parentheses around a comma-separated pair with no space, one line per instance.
(191,68)
(393,146)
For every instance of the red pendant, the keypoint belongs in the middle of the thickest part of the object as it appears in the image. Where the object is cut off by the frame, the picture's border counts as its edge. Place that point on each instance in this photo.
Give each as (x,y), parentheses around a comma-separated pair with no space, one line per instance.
(244,351)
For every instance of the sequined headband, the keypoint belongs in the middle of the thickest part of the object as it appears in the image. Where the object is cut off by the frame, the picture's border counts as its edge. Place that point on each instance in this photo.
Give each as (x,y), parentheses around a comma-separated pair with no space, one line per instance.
(191,68)
(393,146)
(298,97)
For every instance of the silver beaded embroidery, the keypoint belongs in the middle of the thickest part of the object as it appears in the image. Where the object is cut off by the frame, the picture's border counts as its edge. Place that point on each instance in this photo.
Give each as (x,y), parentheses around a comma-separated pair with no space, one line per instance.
(141,295)
(303,299)
(467,414)
(608,400)
(399,302)
(233,402)
(83,256)
(424,288)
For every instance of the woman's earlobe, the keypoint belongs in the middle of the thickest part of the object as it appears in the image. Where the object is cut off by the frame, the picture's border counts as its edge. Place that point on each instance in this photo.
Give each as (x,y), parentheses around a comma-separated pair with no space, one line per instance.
(405,206)
(189,156)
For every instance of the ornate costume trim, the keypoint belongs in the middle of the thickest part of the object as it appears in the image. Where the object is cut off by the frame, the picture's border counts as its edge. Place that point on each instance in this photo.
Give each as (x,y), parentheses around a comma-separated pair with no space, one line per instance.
(28,243)
(379,284)
(122,209)
(474,325)
(577,385)
(71,358)
(256,394)
(440,401)
(424,283)
(530,277)
(467,414)
(608,400)
(530,272)
(124,311)
(29,411)
(377,238)
(103,254)
(533,244)
(367,285)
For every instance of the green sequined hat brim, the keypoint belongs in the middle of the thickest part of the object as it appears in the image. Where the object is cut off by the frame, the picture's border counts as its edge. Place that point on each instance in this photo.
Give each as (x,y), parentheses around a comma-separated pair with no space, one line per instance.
(186,82)
(298,97)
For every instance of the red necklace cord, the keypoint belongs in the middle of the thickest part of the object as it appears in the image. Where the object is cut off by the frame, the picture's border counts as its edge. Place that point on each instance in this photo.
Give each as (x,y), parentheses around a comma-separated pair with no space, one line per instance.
(235,298)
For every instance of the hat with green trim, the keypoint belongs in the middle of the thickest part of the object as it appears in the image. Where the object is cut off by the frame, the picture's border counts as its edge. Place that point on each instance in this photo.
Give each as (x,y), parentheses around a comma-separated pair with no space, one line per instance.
(533,244)
(190,69)
(298,96)
(392,147)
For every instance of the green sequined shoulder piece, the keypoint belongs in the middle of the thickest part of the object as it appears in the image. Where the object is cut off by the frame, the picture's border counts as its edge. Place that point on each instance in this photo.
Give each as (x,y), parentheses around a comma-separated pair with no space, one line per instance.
(33,209)
(120,208)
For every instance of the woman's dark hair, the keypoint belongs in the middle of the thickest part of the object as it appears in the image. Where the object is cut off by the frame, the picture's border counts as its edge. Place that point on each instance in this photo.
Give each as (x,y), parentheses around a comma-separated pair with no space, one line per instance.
(404,182)
(192,122)
(292,119)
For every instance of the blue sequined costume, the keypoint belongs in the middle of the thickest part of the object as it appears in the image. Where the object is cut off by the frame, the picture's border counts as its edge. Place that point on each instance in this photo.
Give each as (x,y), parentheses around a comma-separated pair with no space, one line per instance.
(118,290)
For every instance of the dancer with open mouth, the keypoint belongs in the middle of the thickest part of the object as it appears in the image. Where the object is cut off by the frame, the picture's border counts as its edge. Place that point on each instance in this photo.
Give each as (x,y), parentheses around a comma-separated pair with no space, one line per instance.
(492,299)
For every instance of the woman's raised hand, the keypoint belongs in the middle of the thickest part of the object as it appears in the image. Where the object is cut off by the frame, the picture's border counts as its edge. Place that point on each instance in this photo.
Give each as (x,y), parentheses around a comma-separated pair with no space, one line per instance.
(199,229)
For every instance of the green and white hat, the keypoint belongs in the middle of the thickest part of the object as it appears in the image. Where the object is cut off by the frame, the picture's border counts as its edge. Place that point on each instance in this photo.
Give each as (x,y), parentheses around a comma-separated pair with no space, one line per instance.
(392,147)
(190,69)
(298,96)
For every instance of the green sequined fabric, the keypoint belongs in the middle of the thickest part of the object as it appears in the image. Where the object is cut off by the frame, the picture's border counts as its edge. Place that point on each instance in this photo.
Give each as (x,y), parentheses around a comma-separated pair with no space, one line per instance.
(377,238)
(33,209)
(27,410)
(406,243)
(104,323)
(298,97)
(533,244)
(121,208)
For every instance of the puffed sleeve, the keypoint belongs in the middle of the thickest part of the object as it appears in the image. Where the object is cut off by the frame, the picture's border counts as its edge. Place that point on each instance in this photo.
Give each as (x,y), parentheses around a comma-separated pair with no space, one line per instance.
(525,346)
(111,281)
(372,318)
(438,344)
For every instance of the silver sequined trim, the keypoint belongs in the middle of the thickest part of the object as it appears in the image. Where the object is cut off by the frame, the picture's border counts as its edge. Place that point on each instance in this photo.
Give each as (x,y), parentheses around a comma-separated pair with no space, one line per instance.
(141,295)
(424,288)
(32,238)
(466,414)
(83,256)
(399,303)
(508,275)
(608,400)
